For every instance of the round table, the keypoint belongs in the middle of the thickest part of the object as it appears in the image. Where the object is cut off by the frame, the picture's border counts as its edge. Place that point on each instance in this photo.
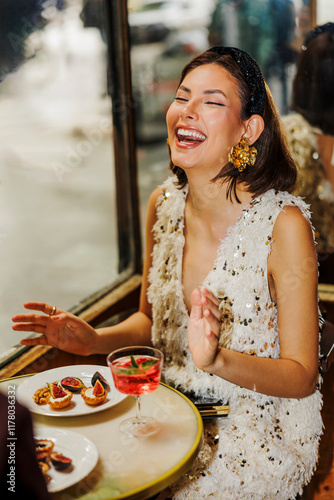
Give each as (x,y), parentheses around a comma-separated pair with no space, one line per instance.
(131,468)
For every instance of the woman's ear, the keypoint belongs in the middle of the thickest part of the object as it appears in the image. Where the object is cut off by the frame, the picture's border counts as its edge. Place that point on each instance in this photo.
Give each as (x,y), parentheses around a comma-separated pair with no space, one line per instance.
(254,128)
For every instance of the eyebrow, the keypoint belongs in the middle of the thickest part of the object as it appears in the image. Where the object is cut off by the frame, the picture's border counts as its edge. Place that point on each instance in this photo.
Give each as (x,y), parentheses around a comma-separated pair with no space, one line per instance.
(206,92)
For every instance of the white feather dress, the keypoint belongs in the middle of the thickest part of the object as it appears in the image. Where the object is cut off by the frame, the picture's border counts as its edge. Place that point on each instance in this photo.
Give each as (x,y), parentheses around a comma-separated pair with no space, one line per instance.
(267,448)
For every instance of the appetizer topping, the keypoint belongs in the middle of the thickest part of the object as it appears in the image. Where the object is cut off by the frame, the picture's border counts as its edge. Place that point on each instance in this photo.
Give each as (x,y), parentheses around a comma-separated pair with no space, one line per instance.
(98,376)
(44,467)
(88,393)
(98,389)
(94,395)
(42,456)
(47,457)
(59,397)
(59,461)
(42,396)
(73,384)
(57,391)
(44,445)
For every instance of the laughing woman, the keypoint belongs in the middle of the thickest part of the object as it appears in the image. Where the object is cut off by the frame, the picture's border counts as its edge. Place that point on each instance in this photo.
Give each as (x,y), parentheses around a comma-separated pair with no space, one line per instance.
(229,286)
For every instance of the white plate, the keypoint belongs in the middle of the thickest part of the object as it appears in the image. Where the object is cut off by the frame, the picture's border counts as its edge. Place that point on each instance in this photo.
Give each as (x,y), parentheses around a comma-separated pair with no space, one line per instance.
(80,449)
(77,406)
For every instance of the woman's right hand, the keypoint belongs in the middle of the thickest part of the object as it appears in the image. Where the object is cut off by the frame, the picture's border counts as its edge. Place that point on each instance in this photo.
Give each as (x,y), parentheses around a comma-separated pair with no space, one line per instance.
(204,328)
(60,329)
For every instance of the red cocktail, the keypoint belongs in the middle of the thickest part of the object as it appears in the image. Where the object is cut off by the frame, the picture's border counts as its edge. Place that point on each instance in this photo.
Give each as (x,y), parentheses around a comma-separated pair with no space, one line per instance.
(136,374)
(136,371)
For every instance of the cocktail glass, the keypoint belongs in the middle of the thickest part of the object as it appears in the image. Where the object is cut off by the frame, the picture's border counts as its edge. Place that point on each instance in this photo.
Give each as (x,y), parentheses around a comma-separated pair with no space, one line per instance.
(136,371)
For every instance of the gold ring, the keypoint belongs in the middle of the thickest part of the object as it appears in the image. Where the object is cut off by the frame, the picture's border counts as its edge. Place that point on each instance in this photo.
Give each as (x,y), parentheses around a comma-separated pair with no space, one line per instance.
(53,311)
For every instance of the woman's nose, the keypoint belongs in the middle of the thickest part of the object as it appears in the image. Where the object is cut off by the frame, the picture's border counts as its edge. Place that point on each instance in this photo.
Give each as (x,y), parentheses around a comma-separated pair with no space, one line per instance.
(189,111)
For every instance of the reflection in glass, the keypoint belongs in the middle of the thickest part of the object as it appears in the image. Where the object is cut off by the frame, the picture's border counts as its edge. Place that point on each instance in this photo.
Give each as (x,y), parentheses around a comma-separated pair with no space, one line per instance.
(58,218)
(310,132)
(165,35)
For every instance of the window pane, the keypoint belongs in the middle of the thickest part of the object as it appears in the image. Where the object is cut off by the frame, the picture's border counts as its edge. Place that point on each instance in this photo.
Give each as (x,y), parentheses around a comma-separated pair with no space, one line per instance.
(58,229)
(325,11)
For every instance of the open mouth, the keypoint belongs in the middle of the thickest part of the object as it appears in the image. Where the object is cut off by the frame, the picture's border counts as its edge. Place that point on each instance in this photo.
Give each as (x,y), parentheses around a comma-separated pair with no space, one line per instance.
(186,136)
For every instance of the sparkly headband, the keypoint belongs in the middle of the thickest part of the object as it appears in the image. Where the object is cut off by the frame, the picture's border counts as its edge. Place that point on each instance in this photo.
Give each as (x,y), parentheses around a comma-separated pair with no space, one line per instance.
(328,27)
(252,74)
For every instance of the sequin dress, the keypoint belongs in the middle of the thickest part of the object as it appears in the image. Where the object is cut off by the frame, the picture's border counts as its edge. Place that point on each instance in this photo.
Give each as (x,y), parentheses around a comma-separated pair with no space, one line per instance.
(267,448)
(312,184)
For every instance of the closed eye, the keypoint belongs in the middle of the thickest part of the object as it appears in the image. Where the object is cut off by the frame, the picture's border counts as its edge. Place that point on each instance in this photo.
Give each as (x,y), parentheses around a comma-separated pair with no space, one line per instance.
(216,103)
(180,99)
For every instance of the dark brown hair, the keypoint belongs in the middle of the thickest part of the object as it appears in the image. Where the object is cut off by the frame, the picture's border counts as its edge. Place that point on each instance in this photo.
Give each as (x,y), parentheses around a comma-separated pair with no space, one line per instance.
(274,167)
(313,87)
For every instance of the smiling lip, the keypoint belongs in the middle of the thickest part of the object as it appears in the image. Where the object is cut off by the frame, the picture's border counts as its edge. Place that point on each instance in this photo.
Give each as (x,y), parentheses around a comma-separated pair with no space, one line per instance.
(189,138)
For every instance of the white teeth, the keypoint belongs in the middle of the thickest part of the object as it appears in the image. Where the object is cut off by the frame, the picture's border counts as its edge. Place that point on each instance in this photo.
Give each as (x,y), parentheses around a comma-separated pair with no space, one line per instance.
(191,133)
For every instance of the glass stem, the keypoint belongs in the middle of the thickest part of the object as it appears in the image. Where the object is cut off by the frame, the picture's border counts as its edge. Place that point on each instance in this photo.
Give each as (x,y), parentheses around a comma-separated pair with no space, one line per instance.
(138,411)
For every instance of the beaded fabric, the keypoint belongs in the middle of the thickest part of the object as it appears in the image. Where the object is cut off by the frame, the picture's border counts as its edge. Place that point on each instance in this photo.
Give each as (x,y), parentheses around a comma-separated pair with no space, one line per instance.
(267,447)
(252,74)
(312,184)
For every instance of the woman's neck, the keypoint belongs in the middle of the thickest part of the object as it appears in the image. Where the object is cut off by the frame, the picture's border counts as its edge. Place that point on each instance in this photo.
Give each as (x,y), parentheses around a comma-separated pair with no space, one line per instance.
(209,200)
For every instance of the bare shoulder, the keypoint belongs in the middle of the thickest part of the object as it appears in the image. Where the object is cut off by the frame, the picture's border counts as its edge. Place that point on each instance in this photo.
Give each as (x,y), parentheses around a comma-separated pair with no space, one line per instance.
(292,263)
(155,196)
(292,225)
(293,241)
(151,219)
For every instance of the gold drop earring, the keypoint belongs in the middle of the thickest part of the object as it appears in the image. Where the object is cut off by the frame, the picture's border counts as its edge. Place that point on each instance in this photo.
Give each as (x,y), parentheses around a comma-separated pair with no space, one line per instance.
(242,155)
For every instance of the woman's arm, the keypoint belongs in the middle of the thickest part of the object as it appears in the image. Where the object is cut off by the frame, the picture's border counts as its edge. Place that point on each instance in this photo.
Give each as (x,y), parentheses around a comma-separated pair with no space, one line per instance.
(292,272)
(70,333)
(326,150)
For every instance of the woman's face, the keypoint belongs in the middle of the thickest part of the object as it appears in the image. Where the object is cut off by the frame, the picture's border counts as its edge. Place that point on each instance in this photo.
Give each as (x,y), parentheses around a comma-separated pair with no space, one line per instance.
(204,119)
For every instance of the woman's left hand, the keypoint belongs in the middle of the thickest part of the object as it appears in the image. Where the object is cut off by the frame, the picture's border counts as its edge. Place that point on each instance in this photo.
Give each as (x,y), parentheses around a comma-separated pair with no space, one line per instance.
(204,328)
